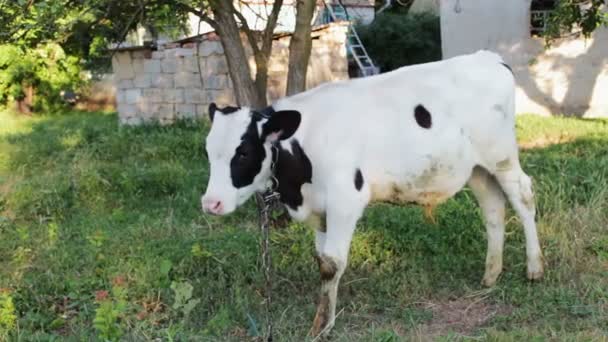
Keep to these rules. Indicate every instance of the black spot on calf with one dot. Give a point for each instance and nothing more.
(423, 117)
(292, 170)
(358, 180)
(248, 157)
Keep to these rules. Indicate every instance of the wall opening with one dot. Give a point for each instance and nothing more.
(540, 11)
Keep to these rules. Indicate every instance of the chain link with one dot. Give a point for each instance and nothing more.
(265, 202)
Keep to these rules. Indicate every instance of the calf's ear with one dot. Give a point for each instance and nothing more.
(212, 109)
(281, 125)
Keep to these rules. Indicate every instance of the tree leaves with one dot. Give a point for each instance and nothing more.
(583, 16)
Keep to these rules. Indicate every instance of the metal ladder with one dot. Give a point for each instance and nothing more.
(353, 42)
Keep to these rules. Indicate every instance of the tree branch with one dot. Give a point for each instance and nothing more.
(204, 16)
(248, 32)
(270, 26)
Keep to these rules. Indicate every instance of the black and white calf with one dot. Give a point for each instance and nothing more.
(417, 134)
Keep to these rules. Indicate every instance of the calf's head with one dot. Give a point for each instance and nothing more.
(239, 151)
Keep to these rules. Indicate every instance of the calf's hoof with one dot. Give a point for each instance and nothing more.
(535, 269)
(535, 274)
(489, 280)
(321, 330)
(493, 270)
(323, 323)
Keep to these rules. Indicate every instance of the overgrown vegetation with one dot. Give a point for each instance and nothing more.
(396, 39)
(45, 71)
(584, 16)
(101, 237)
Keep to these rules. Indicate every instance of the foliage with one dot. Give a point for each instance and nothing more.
(397, 39)
(584, 15)
(47, 69)
(83, 200)
(183, 297)
(110, 311)
(8, 317)
(84, 28)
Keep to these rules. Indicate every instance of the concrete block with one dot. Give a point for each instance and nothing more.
(178, 52)
(194, 96)
(132, 95)
(188, 64)
(223, 97)
(169, 65)
(138, 66)
(187, 80)
(173, 95)
(126, 110)
(202, 111)
(151, 65)
(121, 66)
(130, 121)
(216, 82)
(162, 80)
(121, 96)
(184, 111)
(143, 80)
(147, 109)
(166, 114)
(217, 64)
(208, 48)
(158, 54)
(125, 84)
(153, 95)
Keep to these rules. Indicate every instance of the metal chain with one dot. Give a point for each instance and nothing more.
(266, 201)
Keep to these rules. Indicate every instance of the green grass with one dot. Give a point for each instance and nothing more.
(101, 237)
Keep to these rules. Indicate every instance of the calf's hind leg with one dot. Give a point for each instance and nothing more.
(518, 188)
(492, 203)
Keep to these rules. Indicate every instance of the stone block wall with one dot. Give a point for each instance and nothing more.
(178, 81)
(166, 85)
(328, 61)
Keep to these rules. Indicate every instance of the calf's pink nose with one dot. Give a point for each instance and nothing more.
(213, 206)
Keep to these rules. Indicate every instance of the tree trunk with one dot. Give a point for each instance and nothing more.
(25, 105)
(238, 65)
(248, 92)
(261, 77)
(299, 47)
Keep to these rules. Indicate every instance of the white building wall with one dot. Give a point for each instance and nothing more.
(571, 77)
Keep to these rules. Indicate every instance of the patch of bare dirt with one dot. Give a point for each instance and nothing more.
(462, 316)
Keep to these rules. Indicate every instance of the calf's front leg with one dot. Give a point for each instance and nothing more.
(333, 256)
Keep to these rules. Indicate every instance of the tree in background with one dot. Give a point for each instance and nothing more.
(222, 15)
(576, 15)
(45, 71)
(84, 29)
(45, 45)
(397, 38)
(299, 47)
